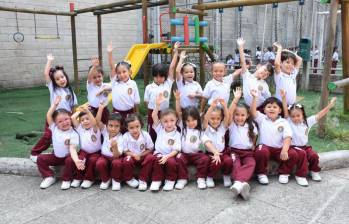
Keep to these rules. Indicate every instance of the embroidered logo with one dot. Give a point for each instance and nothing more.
(93, 138)
(142, 147)
(67, 142)
(129, 91)
(260, 88)
(193, 139)
(105, 93)
(166, 94)
(67, 97)
(170, 142)
(280, 128)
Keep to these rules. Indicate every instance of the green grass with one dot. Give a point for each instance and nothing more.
(23, 111)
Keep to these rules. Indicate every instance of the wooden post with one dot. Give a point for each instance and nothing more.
(75, 54)
(146, 71)
(328, 64)
(235, 3)
(172, 14)
(305, 75)
(345, 51)
(99, 33)
(202, 52)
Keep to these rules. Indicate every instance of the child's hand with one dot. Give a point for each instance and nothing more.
(216, 158)
(50, 58)
(333, 101)
(283, 93)
(159, 99)
(113, 143)
(183, 55)
(57, 100)
(222, 102)
(176, 46)
(163, 159)
(177, 94)
(254, 93)
(80, 164)
(136, 157)
(110, 47)
(84, 109)
(215, 102)
(241, 42)
(284, 155)
(277, 45)
(94, 61)
(102, 105)
(237, 93)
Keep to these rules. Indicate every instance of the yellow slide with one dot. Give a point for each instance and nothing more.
(137, 54)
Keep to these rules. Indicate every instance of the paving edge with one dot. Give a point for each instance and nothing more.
(25, 167)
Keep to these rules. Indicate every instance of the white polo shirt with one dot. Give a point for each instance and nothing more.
(191, 140)
(215, 89)
(66, 97)
(215, 136)
(153, 90)
(301, 131)
(287, 83)
(92, 91)
(238, 136)
(251, 82)
(89, 139)
(106, 146)
(166, 142)
(124, 94)
(272, 133)
(61, 140)
(139, 145)
(335, 56)
(186, 89)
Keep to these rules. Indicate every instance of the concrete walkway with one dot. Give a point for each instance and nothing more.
(326, 202)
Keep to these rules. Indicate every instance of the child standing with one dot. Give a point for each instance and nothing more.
(162, 84)
(287, 66)
(138, 148)
(167, 146)
(65, 142)
(58, 84)
(111, 150)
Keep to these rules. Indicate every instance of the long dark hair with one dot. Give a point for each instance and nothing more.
(55, 85)
(133, 117)
(250, 122)
(122, 63)
(191, 65)
(300, 107)
(195, 114)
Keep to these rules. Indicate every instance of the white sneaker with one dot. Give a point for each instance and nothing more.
(301, 181)
(105, 185)
(236, 188)
(155, 185)
(132, 183)
(245, 191)
(201, 183)
(75, 183)
(315, 176)
(142, 185)
(227, 181)
(46, 182)
(33, 158)
(209, 182)
(263, 179)
(181, 183)
(283, 178)
(169, 184)
(87, 184)
(115, 186)
(65, 185)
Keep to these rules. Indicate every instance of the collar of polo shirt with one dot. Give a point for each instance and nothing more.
(216, 82)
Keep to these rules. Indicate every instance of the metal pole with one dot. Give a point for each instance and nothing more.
(264, 24)
(345, 52)
(75, 54)
(99, 33)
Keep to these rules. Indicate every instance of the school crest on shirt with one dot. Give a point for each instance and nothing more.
(67, 97)
(170, 142)
(105, 93)
(280, 128)
(193, 139)
(129, 91)
(260, 88)
(166, 94)
(67, 141)
(142, 147)
(93, 138)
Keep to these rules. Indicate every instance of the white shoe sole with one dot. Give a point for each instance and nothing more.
(245, 192)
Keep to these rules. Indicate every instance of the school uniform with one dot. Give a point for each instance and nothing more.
(215, 89)
(250, 82)
(300, 143)
(106, 165)
(124, 96)
(315, 56)
(166, 143)
(61, 140)
(217, 137)
(150, 94)
(241, 151)
(287, 83)
(186, 88)
(191, 140)
(137, 146)
(94, 101)
(272, 134)
(66, 103)
(335, 59)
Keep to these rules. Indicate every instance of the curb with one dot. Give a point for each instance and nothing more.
(25, 167)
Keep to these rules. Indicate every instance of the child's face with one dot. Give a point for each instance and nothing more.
(123, 73)
(188, 73)
(296, 116)
(60, 79)
(113, 127)
(85, 121)
(97, 79)
(134, 128)
(191, 122)
(159, 79)
(63, 122)
(169, 122)
(287, 66)
(262, 72)
(240, 116)
(218, 71)
(215, 119)
(272, 110)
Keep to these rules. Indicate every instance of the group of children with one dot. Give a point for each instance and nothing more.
(222, 138)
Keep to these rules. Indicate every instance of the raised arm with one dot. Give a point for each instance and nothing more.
(159, 99)
(208, 113)
(74, 119)
(225, 112)
(50, 59)
(324, 111)
(182, 56)
(94, 64)
(91, 117)
(98, 119)
(241, 42)
(177, 95)
(52, 109)
(253, 107)
(110, 60)
(234, 102)
(277, 62)
(172, 67)
(284, 103)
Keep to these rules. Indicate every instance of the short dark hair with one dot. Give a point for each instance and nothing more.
(133, 117)
(288, 55)
(160, 70)
(116, 117)
(272, 100)
(269, 67)
(58, 112)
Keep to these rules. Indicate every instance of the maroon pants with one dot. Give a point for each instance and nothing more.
(146, 164)
(105, 113)
(44, 142)
(334, 66)
(124, 113)
(312, 158)
(166, 171)
(200, 160)
(150, 128)
(263, 153)
(104, 164)
(243, 164)
(90, 164)
(315, 65)
(225, 165)
(46, 160)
